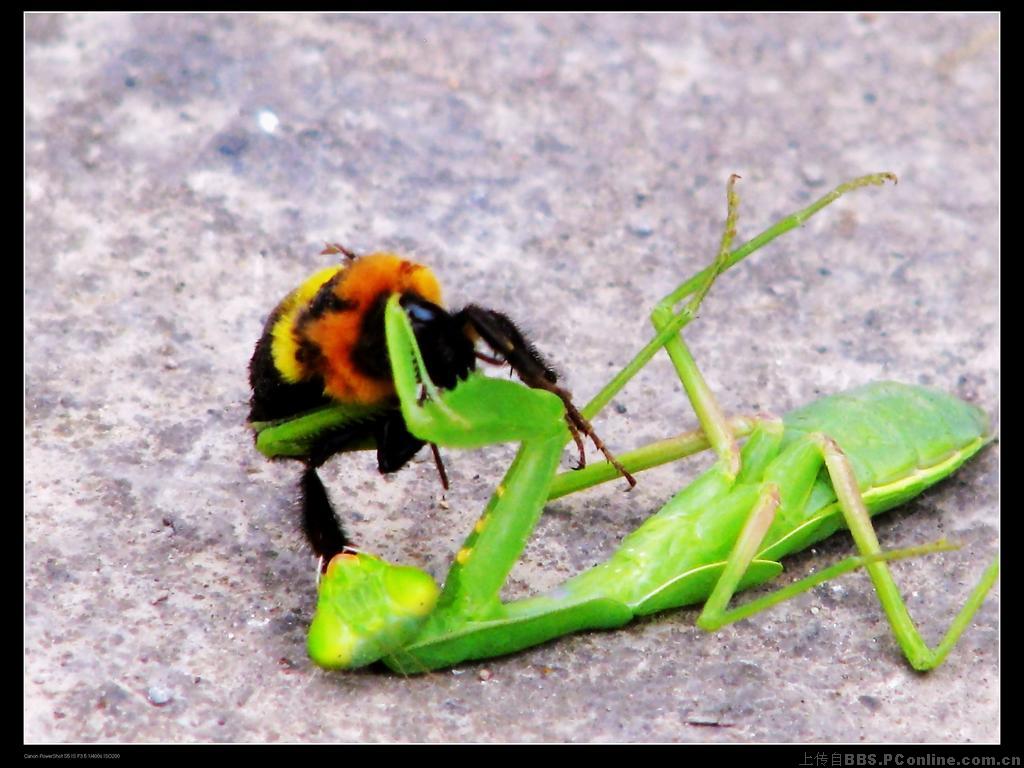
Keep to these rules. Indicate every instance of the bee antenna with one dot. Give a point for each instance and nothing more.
(334, 248)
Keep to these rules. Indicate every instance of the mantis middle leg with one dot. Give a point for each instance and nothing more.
(785, 489)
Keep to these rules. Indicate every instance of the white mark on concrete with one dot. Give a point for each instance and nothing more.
(267, 120)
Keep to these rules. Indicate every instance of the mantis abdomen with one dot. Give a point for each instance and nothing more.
(899, 439)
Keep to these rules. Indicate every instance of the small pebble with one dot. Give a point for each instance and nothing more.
(158, 695)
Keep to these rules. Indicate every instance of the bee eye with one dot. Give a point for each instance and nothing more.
(419, 312)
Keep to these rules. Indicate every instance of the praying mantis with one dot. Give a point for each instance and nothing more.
(795, 481)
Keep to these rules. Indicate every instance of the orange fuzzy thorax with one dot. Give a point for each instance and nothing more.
(334, 334)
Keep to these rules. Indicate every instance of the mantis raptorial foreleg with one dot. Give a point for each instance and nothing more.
(500, 411)
(788, 483)
(487, 556)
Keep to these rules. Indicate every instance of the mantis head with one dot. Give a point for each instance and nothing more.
(366, 609)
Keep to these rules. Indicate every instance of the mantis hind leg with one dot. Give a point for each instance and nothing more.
(920, 655)
(798, 465)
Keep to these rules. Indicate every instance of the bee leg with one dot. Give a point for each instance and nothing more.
(574, 431)
(395, 445)
(322, 528)
(504, 337)
(332, 442)
(440, 465)
(490, 359)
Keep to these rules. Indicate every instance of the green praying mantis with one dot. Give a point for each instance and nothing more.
(795, 481)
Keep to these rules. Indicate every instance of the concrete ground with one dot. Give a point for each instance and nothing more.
(183, 173)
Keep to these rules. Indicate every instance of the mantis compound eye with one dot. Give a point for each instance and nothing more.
(447, 351)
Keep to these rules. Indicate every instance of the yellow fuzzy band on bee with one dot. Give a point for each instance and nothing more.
(285, 343)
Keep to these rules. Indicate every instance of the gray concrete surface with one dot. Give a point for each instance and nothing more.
(183, 172)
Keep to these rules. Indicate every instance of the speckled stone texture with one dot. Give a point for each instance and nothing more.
(184, 171)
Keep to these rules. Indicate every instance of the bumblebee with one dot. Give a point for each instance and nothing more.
(325, 344)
